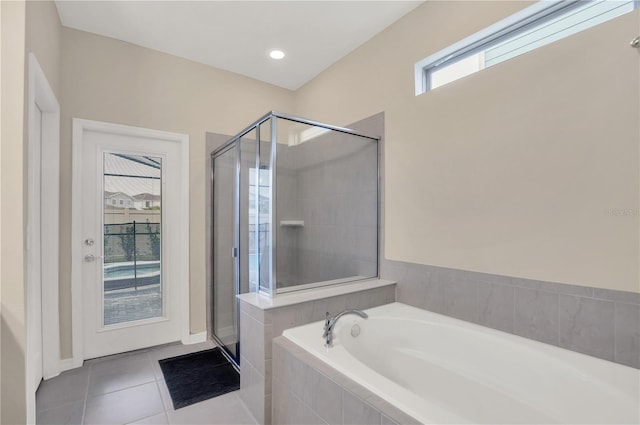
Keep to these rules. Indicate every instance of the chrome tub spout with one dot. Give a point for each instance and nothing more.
(330, 323)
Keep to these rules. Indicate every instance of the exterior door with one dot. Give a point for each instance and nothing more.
(131, 195)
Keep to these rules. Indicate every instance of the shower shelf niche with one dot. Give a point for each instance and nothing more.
(291, 223)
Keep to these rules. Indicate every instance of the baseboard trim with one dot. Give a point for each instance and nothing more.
(195, 338)
(67, 364)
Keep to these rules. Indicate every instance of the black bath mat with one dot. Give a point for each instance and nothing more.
(198, 376)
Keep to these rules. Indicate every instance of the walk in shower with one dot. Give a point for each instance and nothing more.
(295, 205)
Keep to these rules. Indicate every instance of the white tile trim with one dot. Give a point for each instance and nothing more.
(265, 302)
(67, 364)
(195, 338)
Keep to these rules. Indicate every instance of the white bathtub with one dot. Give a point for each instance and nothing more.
(442, 370)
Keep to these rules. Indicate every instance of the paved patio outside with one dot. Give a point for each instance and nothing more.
(132, 304)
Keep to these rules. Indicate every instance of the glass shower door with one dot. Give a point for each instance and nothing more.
(225, 251)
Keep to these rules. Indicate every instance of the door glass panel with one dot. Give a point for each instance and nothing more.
(263, 182)
(248, 250)
(326, 206)
(225, 315)
(132, 210)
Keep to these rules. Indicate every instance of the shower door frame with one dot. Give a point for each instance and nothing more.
(232, 144)
(270, 289)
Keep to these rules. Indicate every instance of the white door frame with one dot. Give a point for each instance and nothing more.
(79, 127)
(42, 245)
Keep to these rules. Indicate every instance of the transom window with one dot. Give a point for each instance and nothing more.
(533, 27)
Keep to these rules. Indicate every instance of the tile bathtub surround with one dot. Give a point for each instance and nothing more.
(130, 388)
(597, 322)
(259, 326)
(308, 391)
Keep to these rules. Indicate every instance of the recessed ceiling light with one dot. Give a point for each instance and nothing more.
(276, 54)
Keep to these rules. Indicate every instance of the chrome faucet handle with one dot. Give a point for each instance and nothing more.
(330, 323)
(327, 322)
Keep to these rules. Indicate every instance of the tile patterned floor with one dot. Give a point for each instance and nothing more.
(129, 388)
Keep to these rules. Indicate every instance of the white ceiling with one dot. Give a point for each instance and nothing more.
(237, 35)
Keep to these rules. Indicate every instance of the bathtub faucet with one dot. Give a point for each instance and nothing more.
(330, 322)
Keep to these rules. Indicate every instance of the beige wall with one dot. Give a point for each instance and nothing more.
(44, 39)
(26, 27)
(527, 169)
(13, 319)
(108, 80)
(0, 215)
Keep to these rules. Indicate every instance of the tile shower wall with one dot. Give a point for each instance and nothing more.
(598, 322)
(330, 183)
(288, 208)
(258, 328)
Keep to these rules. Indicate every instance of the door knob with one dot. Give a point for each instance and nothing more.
(89, 242)
(90, 257)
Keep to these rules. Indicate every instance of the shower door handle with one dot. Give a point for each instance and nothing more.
(234, 252)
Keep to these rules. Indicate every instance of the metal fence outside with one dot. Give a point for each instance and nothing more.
(132, 253)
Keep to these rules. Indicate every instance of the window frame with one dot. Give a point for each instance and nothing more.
(492, 35)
